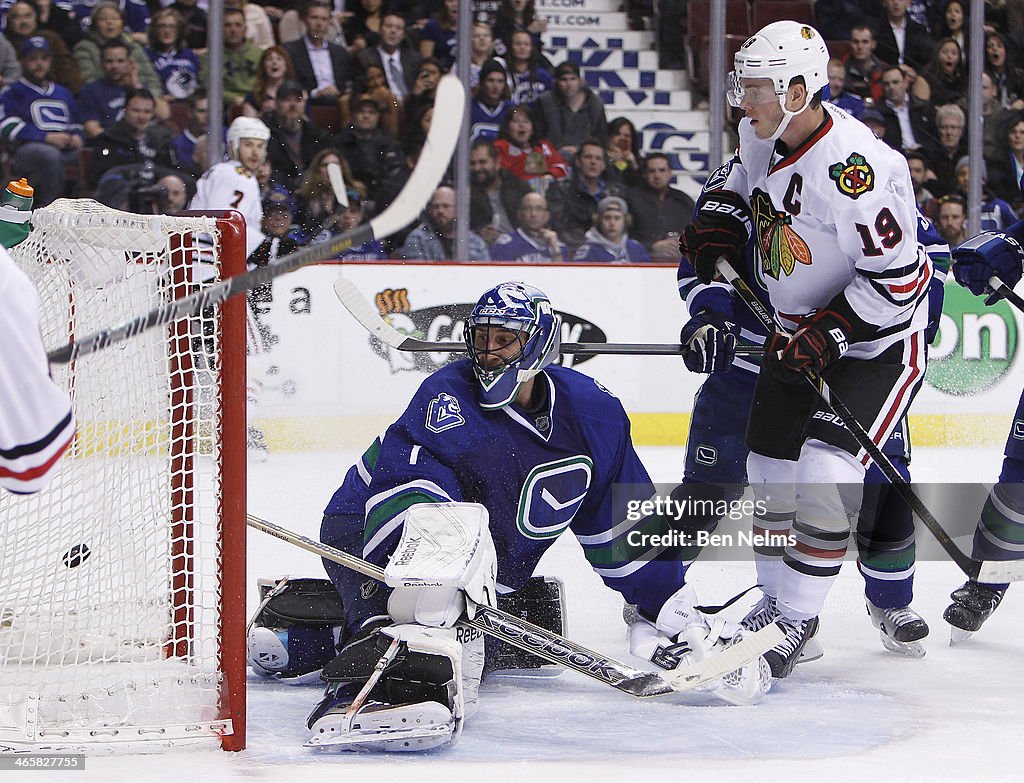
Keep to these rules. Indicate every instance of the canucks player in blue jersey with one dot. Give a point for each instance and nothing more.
(544, 449)
(717, 453)
(1000, 531)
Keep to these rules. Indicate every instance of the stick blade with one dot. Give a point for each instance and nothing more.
(361, 309)
(729, 659)
(1000, 571)
(337, 179)
(449, 106)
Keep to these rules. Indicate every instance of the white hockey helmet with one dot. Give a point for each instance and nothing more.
(781, 51)
(245, 128)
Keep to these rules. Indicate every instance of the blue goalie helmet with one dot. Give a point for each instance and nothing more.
(512, 334)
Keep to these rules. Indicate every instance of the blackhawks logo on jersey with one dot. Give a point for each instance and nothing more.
(853, 178)
(778, 245)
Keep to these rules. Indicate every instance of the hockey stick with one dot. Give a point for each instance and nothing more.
(432, 163)
(557, 649)
(337, 180)
(1011, 296)
(361, 309)
(990, 571)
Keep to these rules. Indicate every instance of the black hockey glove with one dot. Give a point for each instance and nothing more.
(816, 344)
(720, 227)
(711, 338)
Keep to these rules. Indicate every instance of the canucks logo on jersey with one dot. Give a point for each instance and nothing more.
(444, 413)
(778, 245)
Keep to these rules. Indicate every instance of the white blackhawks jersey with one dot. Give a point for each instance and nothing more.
(229, 185)
(36, 424)
(836, 214)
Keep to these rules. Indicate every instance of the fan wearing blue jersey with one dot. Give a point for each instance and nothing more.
(39, 122)
(538, 449)
(1000, 531)
(716, 452)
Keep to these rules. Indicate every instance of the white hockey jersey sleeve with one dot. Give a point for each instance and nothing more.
(878, 230)
(36, 424)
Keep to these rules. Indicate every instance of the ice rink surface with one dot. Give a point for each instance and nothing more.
(857, 714)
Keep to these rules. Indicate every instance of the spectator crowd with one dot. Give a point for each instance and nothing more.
(109, 99)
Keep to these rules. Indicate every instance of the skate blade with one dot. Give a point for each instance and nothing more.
(958, 635)
(914, 649)
(812, 651)
(428, 726)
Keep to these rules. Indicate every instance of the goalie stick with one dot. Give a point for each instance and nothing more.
(991, 571)
(361, 309)
(432, 163)
(557, 649)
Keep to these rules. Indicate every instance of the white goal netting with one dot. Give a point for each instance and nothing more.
(111, 579)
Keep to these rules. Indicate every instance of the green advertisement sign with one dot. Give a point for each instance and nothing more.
(976, 344)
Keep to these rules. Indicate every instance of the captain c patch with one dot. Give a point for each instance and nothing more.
(853, 178)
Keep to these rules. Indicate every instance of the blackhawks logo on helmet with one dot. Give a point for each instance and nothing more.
(807, 33)
(778, 245)
(853, 178)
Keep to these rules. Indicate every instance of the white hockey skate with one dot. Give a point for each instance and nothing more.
(901, 629)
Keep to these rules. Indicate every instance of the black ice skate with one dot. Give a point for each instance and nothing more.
(971, 607)
(766, 611)
(784, 656)
(901, 629)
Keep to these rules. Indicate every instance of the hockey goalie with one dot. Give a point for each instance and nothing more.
(496, 455)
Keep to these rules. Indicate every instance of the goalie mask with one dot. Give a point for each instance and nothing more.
(512, 334)
(780, 51)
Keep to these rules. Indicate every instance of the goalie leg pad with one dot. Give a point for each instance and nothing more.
(540, 601)
(418, 695)
(296, 630)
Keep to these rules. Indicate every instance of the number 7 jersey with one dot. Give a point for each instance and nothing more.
(835, 214)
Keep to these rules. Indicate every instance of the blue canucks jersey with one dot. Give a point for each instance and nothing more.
(516, 246)
(485, 121)
(29, 111)
(570, 466)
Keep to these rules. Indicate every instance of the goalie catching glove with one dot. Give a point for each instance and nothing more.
(720, 228)
(683, 635)
(989, 254)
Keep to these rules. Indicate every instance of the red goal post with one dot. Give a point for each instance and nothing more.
(122, 585)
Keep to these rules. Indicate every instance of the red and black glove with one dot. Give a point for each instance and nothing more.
(720, 227)
(817, 343)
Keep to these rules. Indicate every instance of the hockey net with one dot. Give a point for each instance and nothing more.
(121, 583)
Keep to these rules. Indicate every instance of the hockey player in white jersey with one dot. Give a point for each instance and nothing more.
(831, 209)
(36, 423)
(232, 184)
